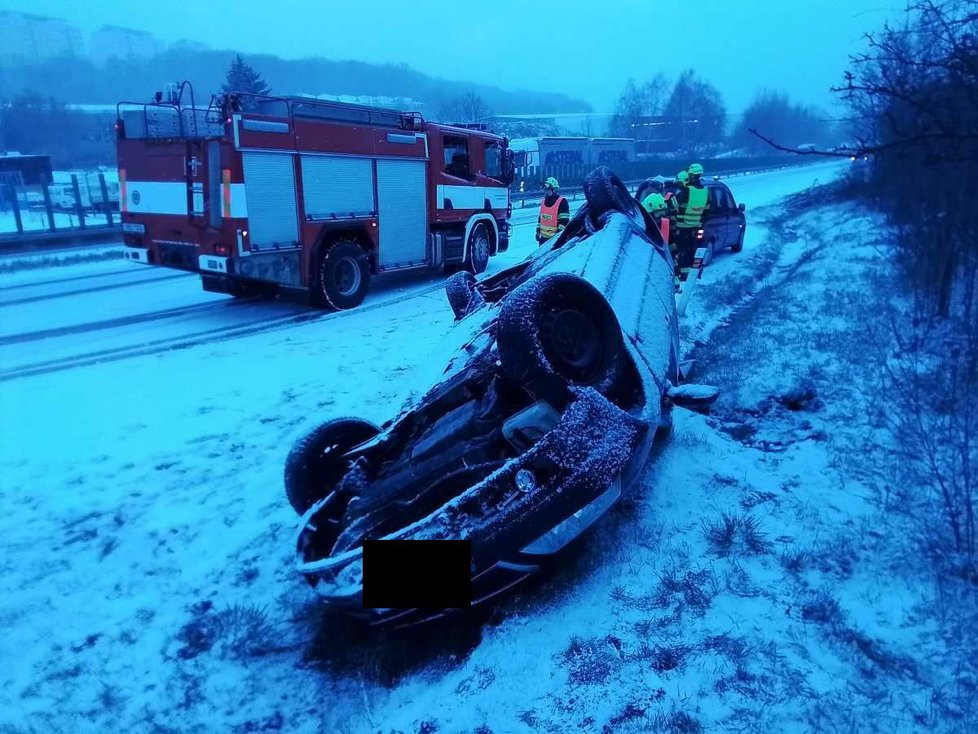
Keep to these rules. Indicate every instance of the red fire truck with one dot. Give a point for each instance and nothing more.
(303, 196)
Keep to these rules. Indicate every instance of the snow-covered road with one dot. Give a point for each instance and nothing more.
(61, 318)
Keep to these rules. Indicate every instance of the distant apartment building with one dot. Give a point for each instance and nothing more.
(30, 39)
(113, 41)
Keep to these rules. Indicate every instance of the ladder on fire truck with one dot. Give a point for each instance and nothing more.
(167, 117)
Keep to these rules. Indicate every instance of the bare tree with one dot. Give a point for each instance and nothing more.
(636, 105)
(779, 117)
(697, 114)
(914, 96)
(465, 108)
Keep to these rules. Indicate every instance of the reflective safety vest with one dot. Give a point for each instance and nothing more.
(672, 201)
(692, 216)
(548, 217)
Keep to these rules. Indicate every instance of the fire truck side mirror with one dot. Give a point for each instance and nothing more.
(509, 167)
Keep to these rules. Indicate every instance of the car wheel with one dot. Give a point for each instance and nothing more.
(559, 325)
(460, 289)
(739, 244)
(477, 259)
(343, 277)
(315, 464)
(605, 192)
(644, 189)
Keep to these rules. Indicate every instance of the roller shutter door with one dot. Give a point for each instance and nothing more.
(403, 213)
(270, 194)
(336, 186)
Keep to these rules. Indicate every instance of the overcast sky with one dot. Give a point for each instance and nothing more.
(583, 48)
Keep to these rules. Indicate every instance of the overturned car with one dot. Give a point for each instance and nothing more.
(563, 369)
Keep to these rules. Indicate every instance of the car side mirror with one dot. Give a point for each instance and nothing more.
(741, 207)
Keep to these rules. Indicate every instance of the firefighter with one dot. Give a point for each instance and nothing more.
(694, 199)
(672, 199)
(655, 204)
(554, 212)
(692, 202)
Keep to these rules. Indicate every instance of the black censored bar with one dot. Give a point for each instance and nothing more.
(417, 574)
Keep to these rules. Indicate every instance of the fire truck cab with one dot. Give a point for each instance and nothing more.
(304, 196)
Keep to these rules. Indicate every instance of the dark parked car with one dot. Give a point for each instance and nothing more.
(560, 371)
(724, 222)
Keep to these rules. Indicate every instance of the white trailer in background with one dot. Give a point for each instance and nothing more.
(536, 155)
(89, 190)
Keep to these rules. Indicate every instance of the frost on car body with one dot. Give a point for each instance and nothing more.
(550, 388)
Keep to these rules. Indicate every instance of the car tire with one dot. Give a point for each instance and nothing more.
(479, 249)
(605, 192)
(460, 289)
(343, 275)
(559, 325)
(739, 244)
(315, 463)
(644, 189)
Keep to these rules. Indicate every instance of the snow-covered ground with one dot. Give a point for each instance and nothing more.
(146, 579)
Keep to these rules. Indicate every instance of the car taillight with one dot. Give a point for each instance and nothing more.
(699, 234)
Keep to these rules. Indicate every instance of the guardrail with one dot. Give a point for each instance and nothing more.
(38, 228)
(57, 212)
(520, 199)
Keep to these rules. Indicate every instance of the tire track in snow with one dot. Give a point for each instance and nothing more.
(111, 274)
(32, 336)
(199, 338)
(95, 289)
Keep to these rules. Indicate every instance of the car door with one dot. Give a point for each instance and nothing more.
(735, 219)
(716, 219)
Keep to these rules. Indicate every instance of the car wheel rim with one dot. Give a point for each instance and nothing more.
(574, 342)
(347, 276)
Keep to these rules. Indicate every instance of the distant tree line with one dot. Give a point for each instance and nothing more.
(34, 123)
(690, 117)
(79, 80)
(31, 123)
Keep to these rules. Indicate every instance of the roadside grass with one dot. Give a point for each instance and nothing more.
(237, 632)
(17, 264)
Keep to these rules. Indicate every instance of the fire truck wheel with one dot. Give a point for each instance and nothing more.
(315, 464)
(478, 258)
(344, 275)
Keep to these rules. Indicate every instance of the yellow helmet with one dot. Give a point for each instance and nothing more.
(655, 204)
(696, 169)
(551, 183)
(682, 177)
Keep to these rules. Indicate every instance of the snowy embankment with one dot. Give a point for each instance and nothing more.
(752, 583)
